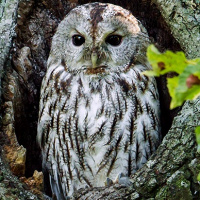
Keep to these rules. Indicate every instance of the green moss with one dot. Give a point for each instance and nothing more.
(177, 188)
(1, 178)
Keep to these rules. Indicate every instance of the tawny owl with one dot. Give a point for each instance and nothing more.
(99, 115)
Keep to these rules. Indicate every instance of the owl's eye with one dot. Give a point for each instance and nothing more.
(114, 40)
(78, 40)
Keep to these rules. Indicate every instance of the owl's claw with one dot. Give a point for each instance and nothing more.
(108, 182)
(55, 198)
(122, 179)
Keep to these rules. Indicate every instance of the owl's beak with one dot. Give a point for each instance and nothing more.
(95, 68)
(94, 58)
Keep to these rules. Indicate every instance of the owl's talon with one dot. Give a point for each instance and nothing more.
(122, 179)
(86, 187)
(108, 182)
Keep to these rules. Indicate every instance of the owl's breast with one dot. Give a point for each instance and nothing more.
(101, 127)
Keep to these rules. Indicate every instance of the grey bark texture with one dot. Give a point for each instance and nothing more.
(183, 19)
(8, 19)
(10, 186)
(172, 170)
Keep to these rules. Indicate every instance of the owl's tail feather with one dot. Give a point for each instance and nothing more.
(56, 188)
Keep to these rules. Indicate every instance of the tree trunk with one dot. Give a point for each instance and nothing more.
(26, 29)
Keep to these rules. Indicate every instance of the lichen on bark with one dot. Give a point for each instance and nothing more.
(10, 186)
(8, 12)
(183, 19)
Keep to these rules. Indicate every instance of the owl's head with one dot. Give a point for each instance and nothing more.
(99, 38)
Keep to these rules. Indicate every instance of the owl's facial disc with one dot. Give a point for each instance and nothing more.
(113, 40)
(94, 56)
(99, 38)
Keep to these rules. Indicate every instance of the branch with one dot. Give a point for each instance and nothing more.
(183, 19)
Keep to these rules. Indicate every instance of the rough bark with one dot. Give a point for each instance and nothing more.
(10, 186)
(183, 19)
(169, 174)
(12, 155)
(8, 12)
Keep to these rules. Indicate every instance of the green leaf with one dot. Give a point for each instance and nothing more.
(198, 177)
(197, 132)
(151, 73)
(185, 87)
(193, 61)
(172, 84)
(163, 63)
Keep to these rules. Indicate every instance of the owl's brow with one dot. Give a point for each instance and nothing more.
(78, 32)
(115, 30)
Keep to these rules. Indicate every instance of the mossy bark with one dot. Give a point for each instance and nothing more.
(10, 186)
(26, 29)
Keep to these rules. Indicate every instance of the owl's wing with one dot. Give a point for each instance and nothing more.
(56, 187)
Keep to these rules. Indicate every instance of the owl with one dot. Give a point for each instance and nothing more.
(98, 115)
